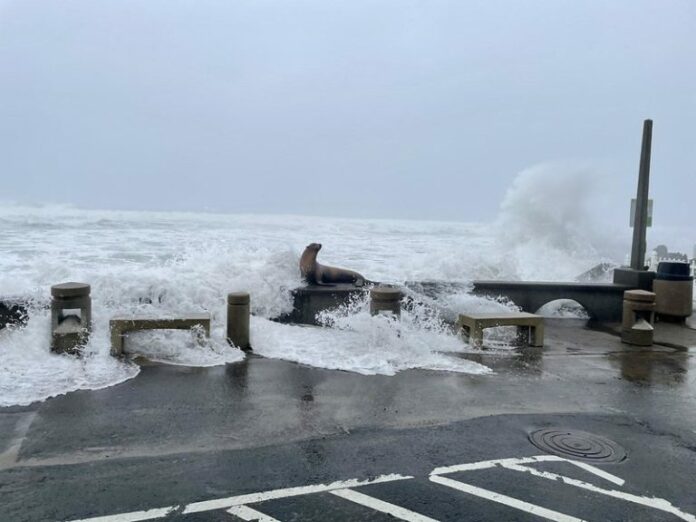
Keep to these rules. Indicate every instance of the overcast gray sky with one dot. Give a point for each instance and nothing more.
(391, 108)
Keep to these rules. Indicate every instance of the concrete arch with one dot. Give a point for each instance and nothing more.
(573, 308)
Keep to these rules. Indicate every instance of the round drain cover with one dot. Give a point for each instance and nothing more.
(577, 445)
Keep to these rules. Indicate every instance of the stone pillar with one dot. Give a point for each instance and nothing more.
(238, 311)
(69, 331)
(638, 317)
(641, 222)
(385, 299)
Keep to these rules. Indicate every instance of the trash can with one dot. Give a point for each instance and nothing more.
(674, 290)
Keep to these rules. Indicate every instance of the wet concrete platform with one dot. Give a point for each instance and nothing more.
(181, 443)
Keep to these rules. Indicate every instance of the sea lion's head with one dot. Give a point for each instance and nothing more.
(308, 262)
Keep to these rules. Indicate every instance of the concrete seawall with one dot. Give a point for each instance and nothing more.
(603, 301)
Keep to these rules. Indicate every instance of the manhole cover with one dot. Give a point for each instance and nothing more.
(577, 445)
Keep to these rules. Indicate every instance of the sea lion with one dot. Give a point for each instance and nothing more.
(317, 274)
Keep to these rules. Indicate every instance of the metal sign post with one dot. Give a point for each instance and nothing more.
(633, 213)
(641, 221)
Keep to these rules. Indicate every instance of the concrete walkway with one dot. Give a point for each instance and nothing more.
(267, 438)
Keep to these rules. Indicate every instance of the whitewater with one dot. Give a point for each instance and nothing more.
(167, 263)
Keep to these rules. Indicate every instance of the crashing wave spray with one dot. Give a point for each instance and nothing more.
(548, 223)
(170, 263)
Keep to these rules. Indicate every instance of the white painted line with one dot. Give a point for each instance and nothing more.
(381, 505)
(504, 499)
(485, 464)
(651, 502)
(599, 472)
(253, 498)
(342, 489)
(9, 457)
(246, 513)
(133, 516)
(222, 503)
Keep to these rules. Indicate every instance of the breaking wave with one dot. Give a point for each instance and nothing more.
(172, 263)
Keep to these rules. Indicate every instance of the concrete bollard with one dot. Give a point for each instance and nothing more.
(238, 311)
(71, 316)
(638, 317)
(385, 299)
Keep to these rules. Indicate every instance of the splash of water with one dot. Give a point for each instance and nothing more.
(548, 222)
(173, 263)
(357, 341)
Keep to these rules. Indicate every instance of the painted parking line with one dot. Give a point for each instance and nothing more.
(240, 500)
(380, 505)
(133, 516)
(239, 505)
(523, 465)
(505, 500)
(651, 502)
(275, 494)
(249, 514)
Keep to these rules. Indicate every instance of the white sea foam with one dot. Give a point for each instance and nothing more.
(548, 223)
(171, 263)
(30, 372)
(352, 339)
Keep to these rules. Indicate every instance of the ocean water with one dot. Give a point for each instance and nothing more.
(169, 263)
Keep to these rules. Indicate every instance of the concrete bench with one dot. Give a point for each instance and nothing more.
(119, 326)
(473, 324)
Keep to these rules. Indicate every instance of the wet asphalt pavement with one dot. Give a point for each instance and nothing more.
(180, 443)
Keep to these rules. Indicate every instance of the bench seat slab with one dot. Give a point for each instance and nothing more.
(120, 325)
(474, 324)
